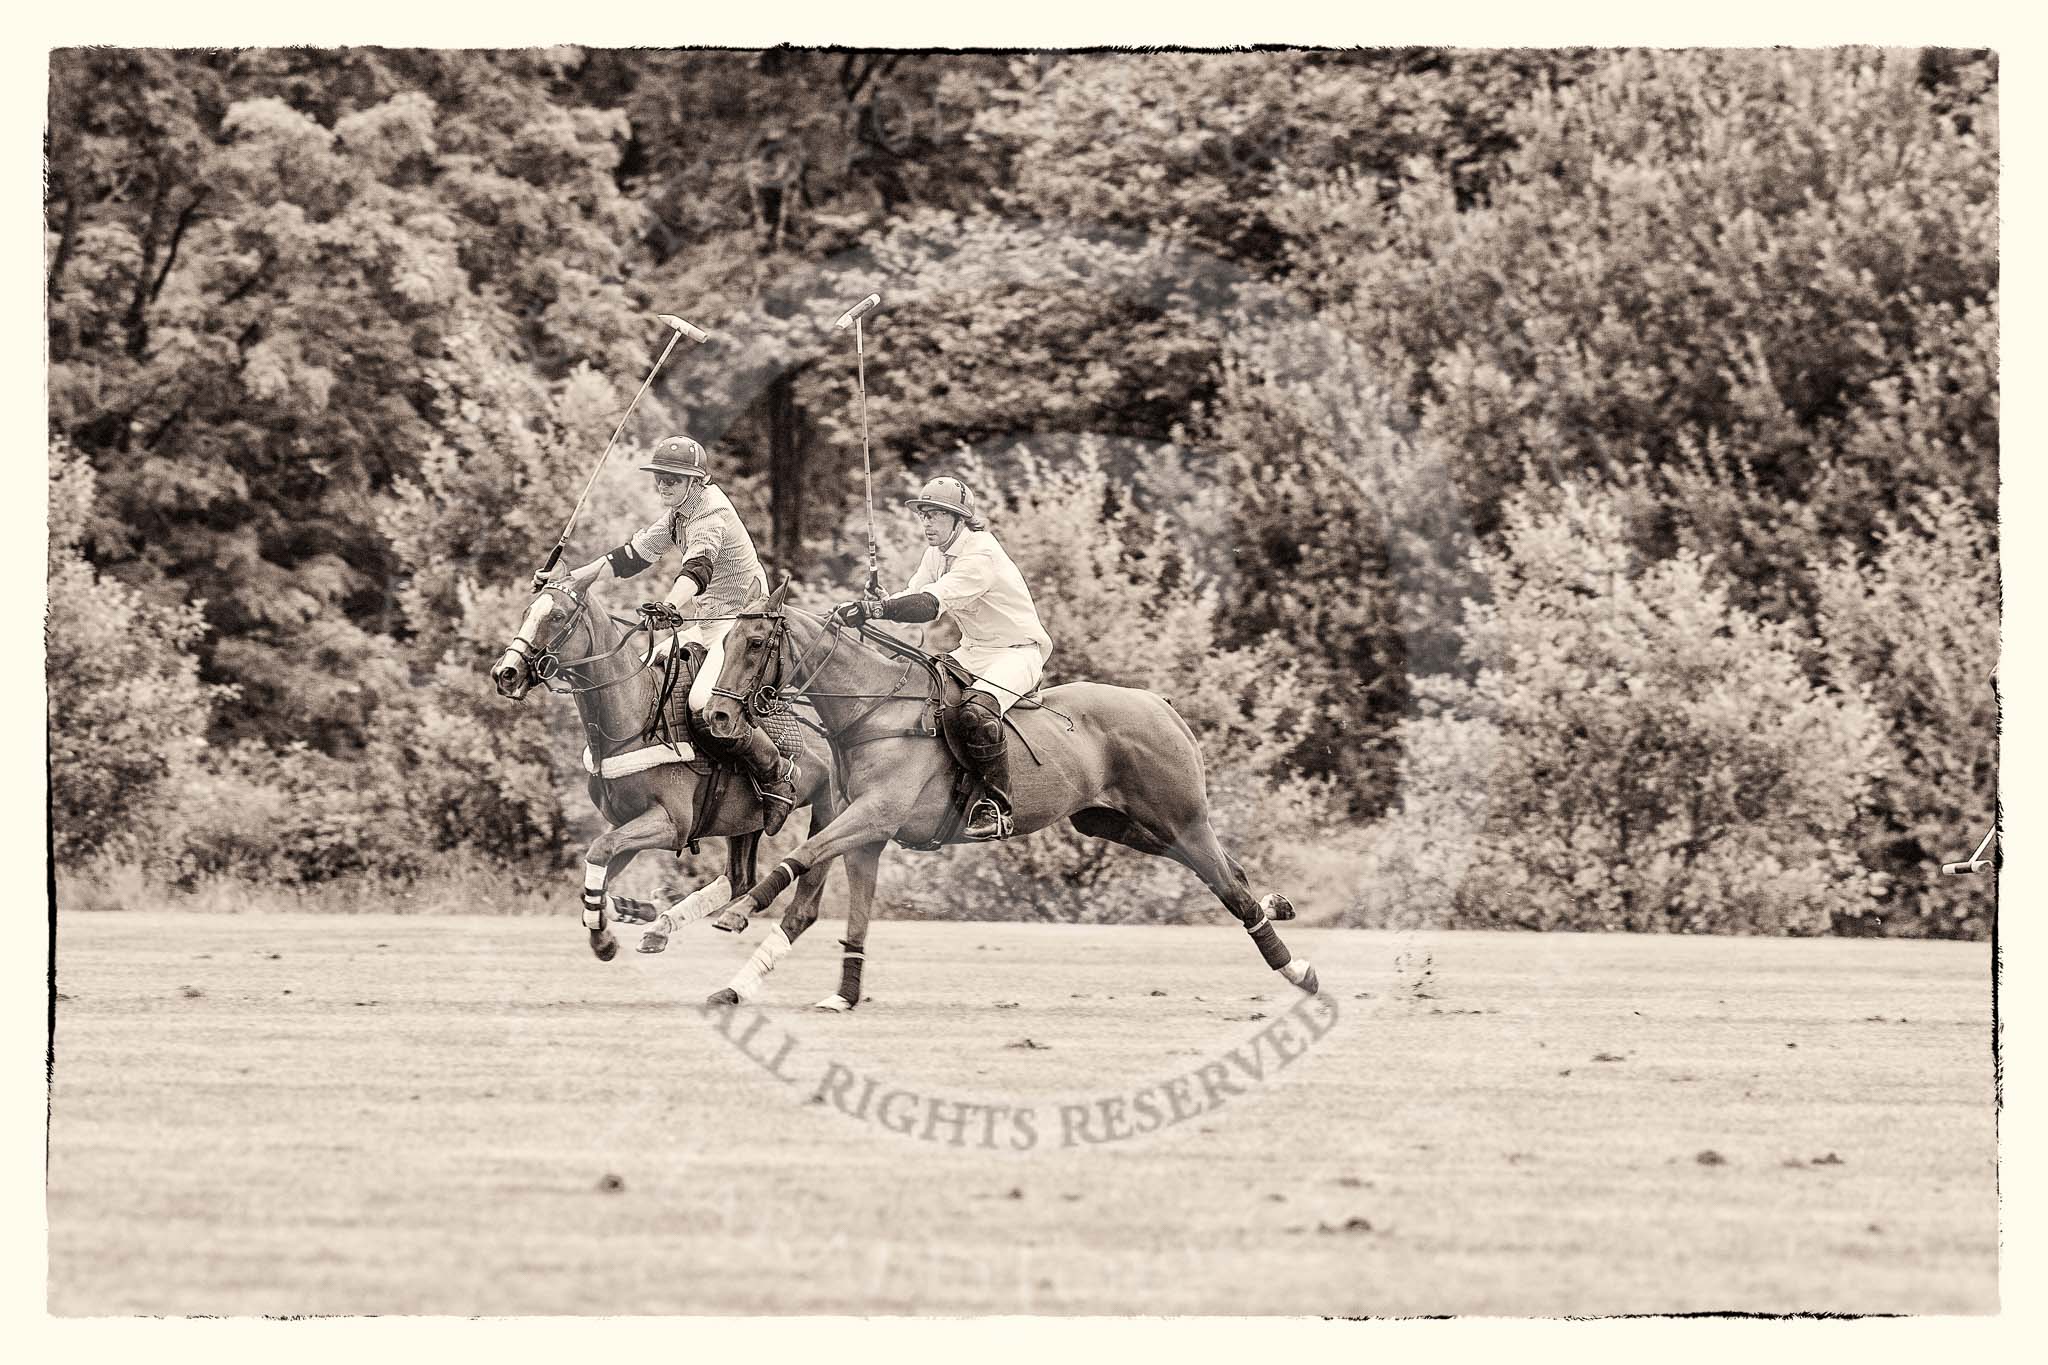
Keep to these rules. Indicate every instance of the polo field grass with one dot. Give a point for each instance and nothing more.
(287, 1113)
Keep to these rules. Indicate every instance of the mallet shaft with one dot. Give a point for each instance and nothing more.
(867, 463)
(680, 330)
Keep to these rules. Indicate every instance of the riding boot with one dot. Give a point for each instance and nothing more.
(982, 740)
(774, 777)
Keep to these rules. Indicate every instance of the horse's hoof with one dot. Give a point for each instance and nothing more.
(604, 945)
(728, 996)
(1277, 906)
(653, 941)
(1307, 981)
(731, 920)
(836, 1004)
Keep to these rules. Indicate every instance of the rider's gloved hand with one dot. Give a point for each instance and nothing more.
(662, 614)
(852, 613)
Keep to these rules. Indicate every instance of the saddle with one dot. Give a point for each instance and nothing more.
(669, 722)
(951, 682)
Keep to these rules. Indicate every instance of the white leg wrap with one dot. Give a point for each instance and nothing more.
(593, 876)
(1296, 971)
(747, 984)
(702, 901)
(593, 917)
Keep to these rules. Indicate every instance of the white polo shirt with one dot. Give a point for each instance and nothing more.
(979, 587)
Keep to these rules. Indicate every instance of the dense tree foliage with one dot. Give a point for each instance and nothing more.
(1539, 446)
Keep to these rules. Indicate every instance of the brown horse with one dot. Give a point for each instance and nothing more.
(1119, 763)
(568, 644)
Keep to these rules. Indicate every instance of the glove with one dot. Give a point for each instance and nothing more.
(662, 615)
(851, 614)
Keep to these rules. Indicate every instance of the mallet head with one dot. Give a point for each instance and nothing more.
(857, 312)
(696, 334)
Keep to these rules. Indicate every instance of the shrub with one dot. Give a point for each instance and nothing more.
(1920, 621)
(127, 711)
(1632, 752)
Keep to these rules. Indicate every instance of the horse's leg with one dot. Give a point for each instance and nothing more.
(862, 867)
(1198, 850)
(869, 820)
(802, 914)
(743, 852)
(743, 857)
(652, 828)
(739, 855)
(1273, 903)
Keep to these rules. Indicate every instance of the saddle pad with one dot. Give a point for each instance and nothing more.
(638, 760)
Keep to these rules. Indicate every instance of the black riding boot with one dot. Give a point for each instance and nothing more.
(774, 781)
(774, 776)
(981, 737)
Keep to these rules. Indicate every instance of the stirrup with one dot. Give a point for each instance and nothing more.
(987, 820)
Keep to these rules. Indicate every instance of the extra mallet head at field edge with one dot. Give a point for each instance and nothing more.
(1976, 862)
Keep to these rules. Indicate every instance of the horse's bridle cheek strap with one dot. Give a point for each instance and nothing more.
(758, 694)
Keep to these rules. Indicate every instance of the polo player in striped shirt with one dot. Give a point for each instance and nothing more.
(720, 572)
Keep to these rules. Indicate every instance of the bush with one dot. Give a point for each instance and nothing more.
(1920, 620)
(1632, 752)
(127, 712)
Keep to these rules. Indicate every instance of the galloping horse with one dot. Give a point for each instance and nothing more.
(1119, 763)
(616, 689)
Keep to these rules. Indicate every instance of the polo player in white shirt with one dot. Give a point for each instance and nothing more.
(966, 575)
(720, 573)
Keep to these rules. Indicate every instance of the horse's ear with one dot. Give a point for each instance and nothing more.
(775, 598)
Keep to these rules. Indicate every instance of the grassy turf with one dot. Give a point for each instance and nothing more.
(318, 1114)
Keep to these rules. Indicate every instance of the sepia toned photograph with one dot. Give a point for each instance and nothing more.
(1320, 682)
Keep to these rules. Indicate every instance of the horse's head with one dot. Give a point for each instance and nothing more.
(535, 652)
(738, 667)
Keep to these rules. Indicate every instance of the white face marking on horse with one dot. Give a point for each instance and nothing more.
(536, 617)
(513, 661)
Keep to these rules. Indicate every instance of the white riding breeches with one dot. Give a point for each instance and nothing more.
(710, 634)
(706, 633)
(1006, 672)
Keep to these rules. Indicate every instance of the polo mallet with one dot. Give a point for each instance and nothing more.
(681, 329)
(1977, 863)
(853, 315)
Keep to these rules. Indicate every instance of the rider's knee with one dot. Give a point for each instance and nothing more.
(980, 711)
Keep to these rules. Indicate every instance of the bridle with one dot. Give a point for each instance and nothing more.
(758, 694)
(564, 677)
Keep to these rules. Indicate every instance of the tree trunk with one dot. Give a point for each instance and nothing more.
(785, 474)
